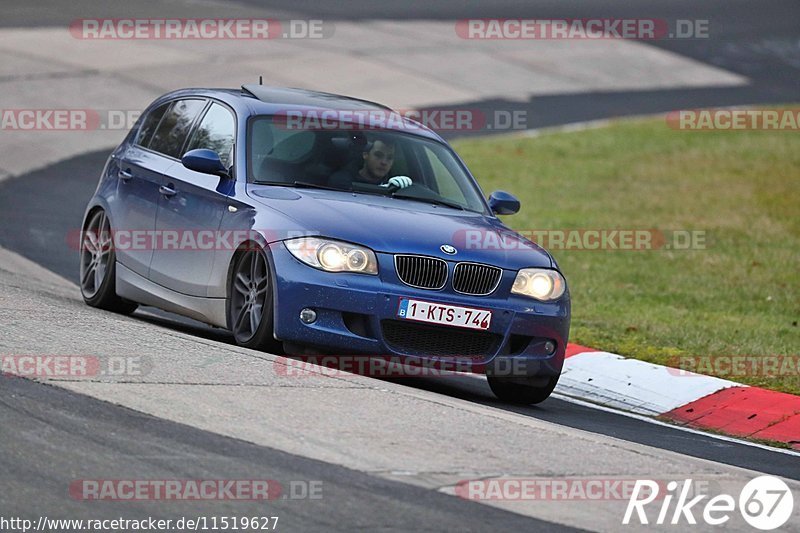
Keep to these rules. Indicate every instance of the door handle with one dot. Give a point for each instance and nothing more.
(167, 190)
(125, 175)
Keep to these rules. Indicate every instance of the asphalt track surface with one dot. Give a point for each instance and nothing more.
(72, 430)
(759, 40)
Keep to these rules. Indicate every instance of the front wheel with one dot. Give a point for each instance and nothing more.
(250, 311)
(524, 391)
(99, 267)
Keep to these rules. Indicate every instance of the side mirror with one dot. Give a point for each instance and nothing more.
(205, 161)
(503, 203)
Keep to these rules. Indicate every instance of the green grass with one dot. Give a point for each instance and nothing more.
(738, 296)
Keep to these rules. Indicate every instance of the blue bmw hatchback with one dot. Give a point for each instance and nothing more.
(302, 220)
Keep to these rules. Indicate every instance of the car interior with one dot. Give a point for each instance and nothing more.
(310, 156)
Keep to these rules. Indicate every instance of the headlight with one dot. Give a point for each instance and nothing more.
(333, 256)
(539, 283)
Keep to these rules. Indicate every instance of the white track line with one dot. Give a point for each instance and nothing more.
(650, 420)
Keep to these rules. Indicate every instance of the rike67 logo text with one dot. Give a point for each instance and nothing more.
(765, 503)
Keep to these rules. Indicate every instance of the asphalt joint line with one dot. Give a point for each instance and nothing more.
(50, 76)
(192, 384)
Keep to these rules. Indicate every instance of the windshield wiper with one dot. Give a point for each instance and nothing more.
(431, 201)
(308, 185)
(297, 184)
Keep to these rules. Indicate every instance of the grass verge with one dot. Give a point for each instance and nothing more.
(738, 295)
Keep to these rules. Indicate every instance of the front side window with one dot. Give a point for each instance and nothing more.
(445, 171)
(171, 134)
(217, 132)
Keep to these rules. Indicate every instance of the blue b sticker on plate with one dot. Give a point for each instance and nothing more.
(403, 308)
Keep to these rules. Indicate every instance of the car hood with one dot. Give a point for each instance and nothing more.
(394, 225)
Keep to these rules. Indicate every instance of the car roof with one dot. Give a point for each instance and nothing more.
(255, 99)
(308, 98)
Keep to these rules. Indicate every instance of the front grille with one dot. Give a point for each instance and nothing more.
(477, 279)
(420, 271)
(423, 339)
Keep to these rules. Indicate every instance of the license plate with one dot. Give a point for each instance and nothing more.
(449, 315)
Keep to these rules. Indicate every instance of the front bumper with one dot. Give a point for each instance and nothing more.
(357, 314)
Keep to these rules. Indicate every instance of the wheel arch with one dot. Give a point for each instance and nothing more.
(93, 207)
(243, 248)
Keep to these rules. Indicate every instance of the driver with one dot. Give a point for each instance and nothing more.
(378, 158)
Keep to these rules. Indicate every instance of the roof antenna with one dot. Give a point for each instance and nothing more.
(261, 80)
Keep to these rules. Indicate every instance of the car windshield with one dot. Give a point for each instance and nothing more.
(361, 160)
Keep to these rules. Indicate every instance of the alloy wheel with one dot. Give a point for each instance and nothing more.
(249, 295)
(95, 254)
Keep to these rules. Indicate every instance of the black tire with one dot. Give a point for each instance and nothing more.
(524, 391)
(255, 292)
(100, 264)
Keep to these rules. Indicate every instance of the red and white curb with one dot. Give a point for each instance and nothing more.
(686, 398)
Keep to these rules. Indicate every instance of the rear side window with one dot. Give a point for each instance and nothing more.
(216, 132)
(149, 125)
(170, 136)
